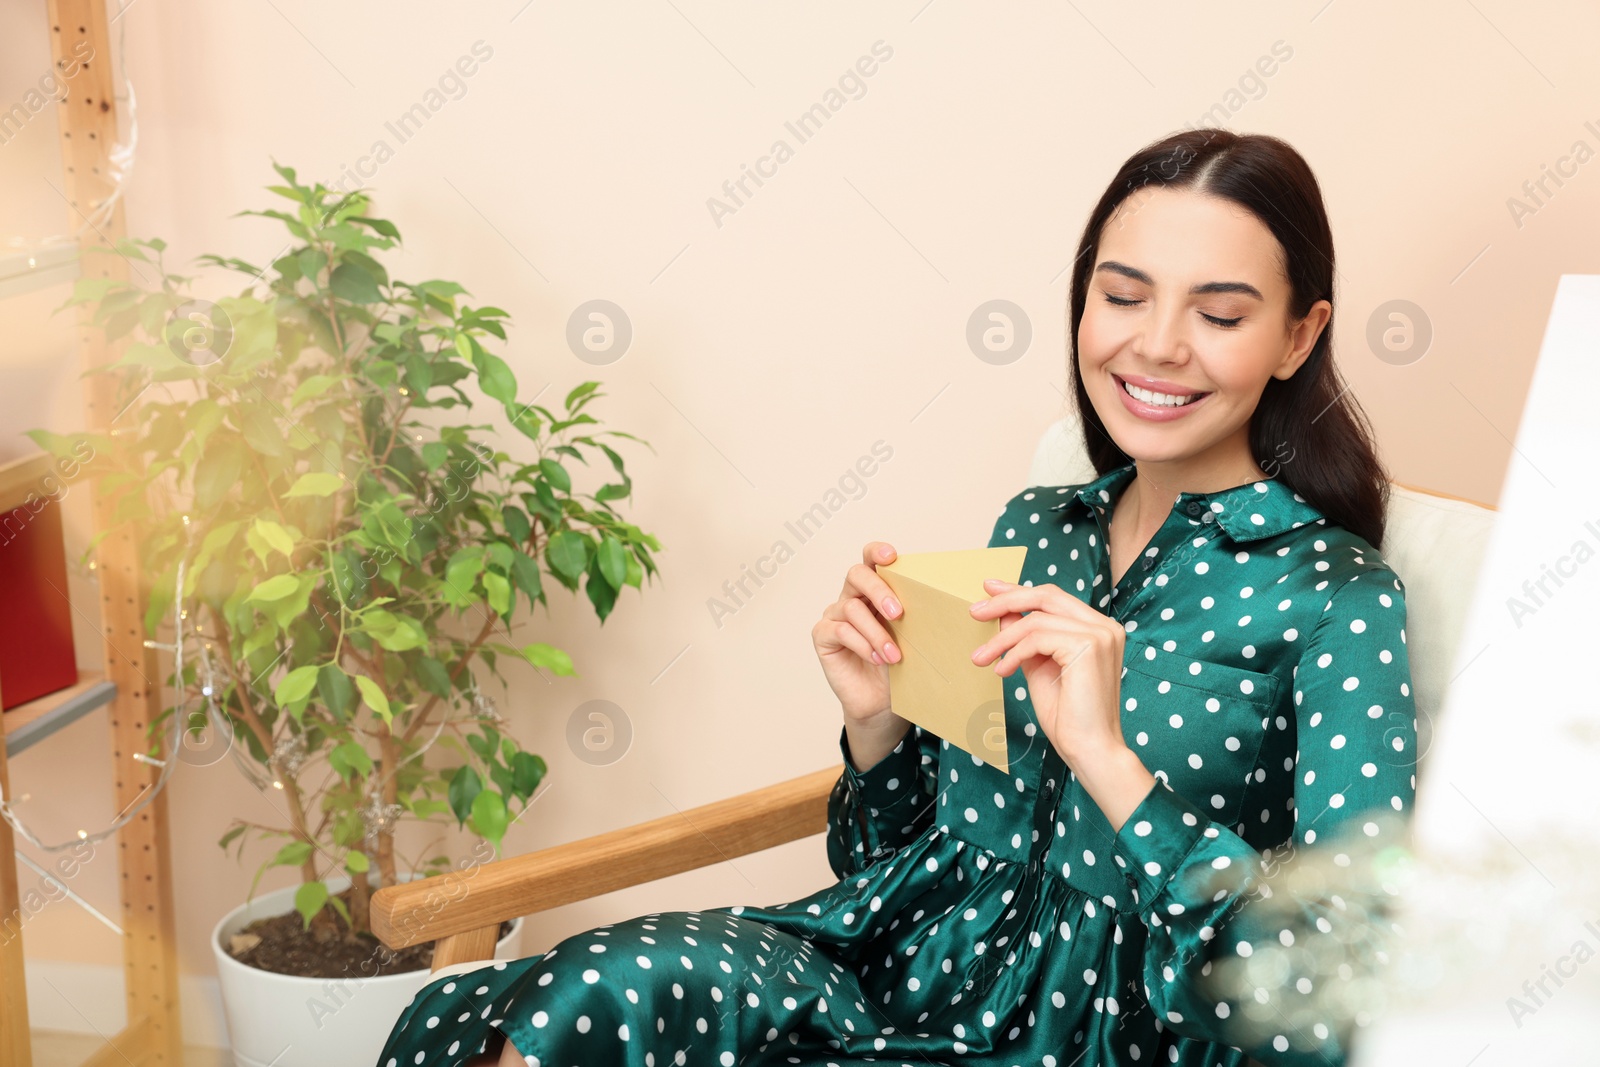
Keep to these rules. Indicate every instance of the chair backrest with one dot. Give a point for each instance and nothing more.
(1435, 543)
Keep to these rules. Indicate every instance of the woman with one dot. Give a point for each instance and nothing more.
(1205, 663)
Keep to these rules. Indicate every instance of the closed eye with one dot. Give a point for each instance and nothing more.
(1226, 324)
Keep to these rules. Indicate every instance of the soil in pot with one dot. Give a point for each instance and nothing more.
(282, 944)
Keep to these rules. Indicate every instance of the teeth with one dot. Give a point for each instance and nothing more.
(1160, 400)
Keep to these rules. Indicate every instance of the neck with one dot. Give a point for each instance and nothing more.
(1157, 483)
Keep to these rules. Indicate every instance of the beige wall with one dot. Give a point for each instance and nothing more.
(826, 313)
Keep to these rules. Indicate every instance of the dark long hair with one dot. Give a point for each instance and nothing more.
(1308, 426)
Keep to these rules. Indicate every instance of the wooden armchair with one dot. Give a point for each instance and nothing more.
(1434, 541)
(463, 910)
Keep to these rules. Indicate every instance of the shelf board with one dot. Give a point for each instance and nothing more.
(28, 724)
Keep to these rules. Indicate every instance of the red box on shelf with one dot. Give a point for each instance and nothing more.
(36, 651)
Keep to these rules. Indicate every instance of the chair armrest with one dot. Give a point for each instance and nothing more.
(463, 909)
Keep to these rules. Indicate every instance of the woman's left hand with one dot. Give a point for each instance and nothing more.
(1071, 655)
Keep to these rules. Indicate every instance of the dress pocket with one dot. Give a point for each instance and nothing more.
(1221, 680)
(1196, 723)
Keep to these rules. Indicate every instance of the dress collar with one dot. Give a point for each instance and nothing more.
(1245, 512)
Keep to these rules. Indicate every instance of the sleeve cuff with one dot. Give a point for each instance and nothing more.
(891, 782)
(1157, 839)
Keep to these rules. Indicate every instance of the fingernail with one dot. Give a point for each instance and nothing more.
(993, 581)
(979, 604)
(876, 660)
(891, 653)
(891, 606)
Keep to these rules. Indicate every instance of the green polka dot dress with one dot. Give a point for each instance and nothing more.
(994, 918)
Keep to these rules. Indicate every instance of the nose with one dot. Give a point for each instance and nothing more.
(1162, 338)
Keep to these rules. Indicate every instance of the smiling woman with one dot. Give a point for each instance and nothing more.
(1204, 667)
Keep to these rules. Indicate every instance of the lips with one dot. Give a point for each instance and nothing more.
(1157, 408)
(1155, 386)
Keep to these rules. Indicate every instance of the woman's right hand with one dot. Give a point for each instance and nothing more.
(854, 645)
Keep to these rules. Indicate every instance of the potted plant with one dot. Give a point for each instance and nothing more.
(334, 559)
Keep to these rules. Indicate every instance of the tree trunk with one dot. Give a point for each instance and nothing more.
(389, 755)
(360, 903)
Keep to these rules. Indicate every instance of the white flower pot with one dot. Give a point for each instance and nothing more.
(281, 1020)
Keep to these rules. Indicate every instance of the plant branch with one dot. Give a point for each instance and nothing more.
(461, 663)
(291, 788)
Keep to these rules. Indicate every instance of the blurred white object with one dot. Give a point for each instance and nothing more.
(1503, 922)
(27, 267)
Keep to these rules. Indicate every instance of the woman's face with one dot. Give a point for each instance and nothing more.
(1187, 298)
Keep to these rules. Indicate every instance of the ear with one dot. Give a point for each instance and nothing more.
(1303, 339)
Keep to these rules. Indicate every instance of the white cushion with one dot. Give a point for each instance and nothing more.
(1434, 543)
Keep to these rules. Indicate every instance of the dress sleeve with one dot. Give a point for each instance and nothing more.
(1207, 896)
(872, 813)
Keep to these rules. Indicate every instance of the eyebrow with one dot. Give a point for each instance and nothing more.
(1205, 289)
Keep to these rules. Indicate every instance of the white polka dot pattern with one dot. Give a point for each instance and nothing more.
(995, 916)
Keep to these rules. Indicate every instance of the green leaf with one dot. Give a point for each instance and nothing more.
(548, 657)
(580, 393)
(383, 226)
(292, 855)
(525, 571)
(309, 899)
(333, 686)
(484, 745)
(461, 576)
(310, 262)
(498, 589)
(568, 552)
(276, 536)
(397, 633)
(613, 561)
(434, 454)
(216, 473)
(556, 474)
(352, 282)
(517, 525)
(525, 420)
(350, 760)
(494, 377)
(296, 685)
(357, 862)
(601, 594)
(489, 816)
(435, 679)
(313, 387)
(316, 483)
(217, 539)
(464, 788)
(527, 772)
(285, 611)
(373, 695)
(260, 431)
(500, 555)
(366, 262)
(275, 588)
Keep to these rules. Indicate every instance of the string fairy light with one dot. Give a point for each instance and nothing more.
(152, 790)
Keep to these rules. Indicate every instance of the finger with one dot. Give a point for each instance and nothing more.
(1006, 596)
(872, 629)
(847, 636)
(1043, 642)
(864, 581)
(1013, 628)
(877, 552)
